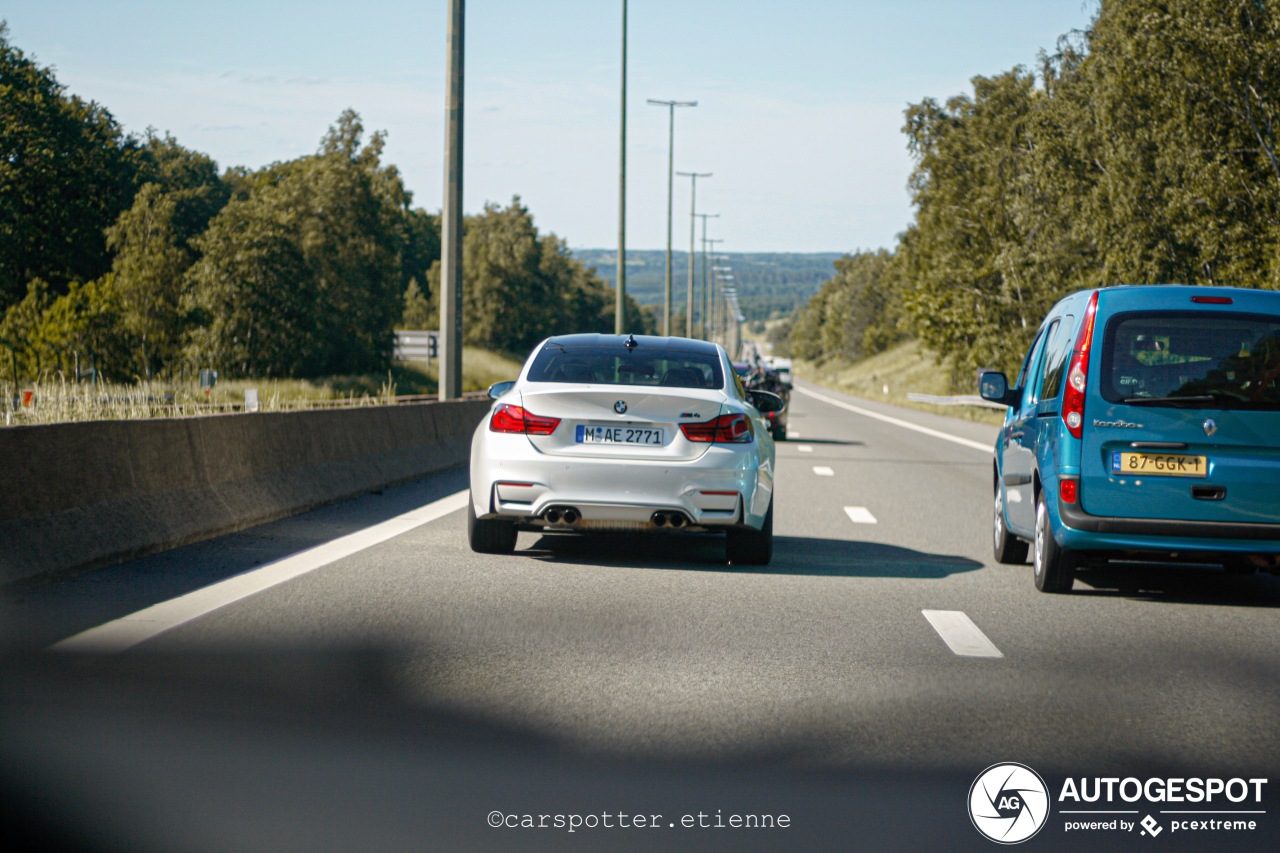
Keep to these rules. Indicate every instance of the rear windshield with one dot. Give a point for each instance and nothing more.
(618, 366)
(1192, 359)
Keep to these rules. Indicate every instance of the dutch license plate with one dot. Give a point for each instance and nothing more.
(589, 434)
(1159, 464)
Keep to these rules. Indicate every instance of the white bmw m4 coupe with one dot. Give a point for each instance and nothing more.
(625, 433)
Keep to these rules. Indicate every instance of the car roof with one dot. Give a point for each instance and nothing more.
(642, 342)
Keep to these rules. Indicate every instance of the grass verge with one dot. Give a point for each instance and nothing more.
(893, 374)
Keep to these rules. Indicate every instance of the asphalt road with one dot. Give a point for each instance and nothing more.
(882, 647)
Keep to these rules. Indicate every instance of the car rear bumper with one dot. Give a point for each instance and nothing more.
(1085, 530)
(716, 491)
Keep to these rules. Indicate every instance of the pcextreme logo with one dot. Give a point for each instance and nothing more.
(1008, 803)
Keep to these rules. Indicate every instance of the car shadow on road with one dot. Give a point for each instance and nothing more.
(1179, 584)
(792, 555)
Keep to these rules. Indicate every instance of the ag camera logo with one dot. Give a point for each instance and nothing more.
(1008, 803)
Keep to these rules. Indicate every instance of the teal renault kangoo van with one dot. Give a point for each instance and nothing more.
(1144, 425)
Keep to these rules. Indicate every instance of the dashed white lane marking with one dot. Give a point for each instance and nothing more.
(128, 631)
(961, 635)
(823, 471)
(858, 410)
(805, 448)
(859, 515)
(792, 433)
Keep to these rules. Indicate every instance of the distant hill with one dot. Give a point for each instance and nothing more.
(769, 284)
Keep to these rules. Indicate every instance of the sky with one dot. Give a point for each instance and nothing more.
(799, 102)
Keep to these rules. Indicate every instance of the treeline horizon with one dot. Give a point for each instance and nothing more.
(1142, 150)
(128, 256)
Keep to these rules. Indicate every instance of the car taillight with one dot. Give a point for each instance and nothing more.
(509, 418)
(1078, 372)
(1213, 300)
(726, 428)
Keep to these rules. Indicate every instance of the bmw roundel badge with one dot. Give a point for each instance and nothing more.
(620, 407)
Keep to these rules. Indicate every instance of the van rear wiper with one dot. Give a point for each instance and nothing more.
(1176, 401)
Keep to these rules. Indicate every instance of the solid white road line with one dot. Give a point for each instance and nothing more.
(859, 515)
(858, 410)
(128, 631)
(961, 635)
(823, 471)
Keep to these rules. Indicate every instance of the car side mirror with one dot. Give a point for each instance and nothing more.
(994, 386)
(766, 401)
(497, 389)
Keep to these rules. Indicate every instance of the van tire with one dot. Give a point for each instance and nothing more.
(1009, 549)
(490, 535)
(1055, 567)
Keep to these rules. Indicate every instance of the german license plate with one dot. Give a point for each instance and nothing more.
(589, 434)
(1159, 464)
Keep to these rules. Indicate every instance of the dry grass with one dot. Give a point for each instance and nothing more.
(57, 400)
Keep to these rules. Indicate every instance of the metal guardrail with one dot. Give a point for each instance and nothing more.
(956, 400)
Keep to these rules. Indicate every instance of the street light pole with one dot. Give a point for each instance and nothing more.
(450, 374)
(620, 305)
(671, 165)
(702, 306)
(709, 246)
(693, 224)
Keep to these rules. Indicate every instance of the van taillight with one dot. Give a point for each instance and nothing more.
(1078, 372)
(1069, 490)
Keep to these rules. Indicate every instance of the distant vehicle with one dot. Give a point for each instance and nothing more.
(783, 366)
(1144, 424)
(625, 433)
(758, 377)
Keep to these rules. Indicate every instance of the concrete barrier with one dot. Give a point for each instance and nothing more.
(80, 495)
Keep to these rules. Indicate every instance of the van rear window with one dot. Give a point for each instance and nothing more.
(1193, 359)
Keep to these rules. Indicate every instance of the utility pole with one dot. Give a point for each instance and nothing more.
(620, 307)
(693, 224)
(711, 287)
(702, 306)
(450, 374)
(671, 165)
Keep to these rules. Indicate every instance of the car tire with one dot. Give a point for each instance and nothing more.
(747, 547)
(1055, 567)
(779, 433)
(490, 535)
(1009, 549)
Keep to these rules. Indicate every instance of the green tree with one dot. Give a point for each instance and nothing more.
(66, 172)
(81, 331)
(520, 287)
(29, 355)
(417, 312)
(300, 273)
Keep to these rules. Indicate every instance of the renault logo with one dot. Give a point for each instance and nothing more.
(1210, 427)
(620, 407)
